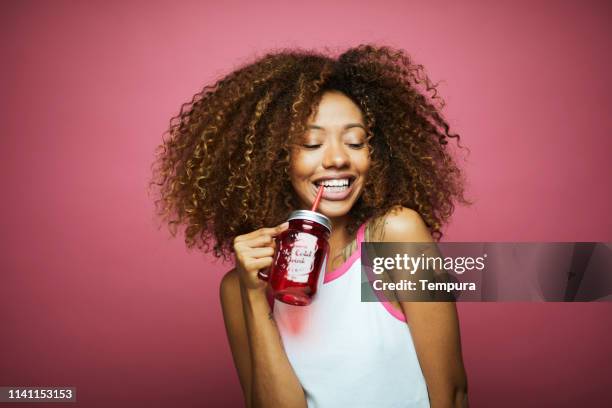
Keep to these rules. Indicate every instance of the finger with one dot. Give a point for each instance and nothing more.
(260, 263)
(261, 241)
(263, 231)
(260, 252)
(274, 230)
(281, 228)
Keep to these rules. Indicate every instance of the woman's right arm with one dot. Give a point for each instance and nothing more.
(265, 374)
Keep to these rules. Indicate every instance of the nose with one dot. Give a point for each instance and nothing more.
(335, 155)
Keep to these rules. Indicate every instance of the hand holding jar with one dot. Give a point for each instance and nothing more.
(254, 252)
(301, 251)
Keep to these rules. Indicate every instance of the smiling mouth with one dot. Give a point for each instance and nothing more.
(334, 185)
(335, 190)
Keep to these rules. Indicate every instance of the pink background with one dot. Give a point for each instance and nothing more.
(93, 295)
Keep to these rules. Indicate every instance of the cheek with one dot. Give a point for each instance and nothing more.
(363, 162)
(302, 165)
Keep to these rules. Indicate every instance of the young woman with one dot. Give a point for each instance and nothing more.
(254, 147)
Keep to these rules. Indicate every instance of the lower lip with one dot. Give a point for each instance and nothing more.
(335, 195)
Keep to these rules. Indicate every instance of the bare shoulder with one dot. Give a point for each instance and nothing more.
(230, 286)
(401, 224)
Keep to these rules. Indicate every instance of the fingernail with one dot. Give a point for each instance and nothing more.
(284, 225)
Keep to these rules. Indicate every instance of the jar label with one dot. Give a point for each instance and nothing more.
(302, 257)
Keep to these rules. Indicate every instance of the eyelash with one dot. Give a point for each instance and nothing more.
(353, 145)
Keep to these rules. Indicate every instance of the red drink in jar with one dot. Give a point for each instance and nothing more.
(299, 256)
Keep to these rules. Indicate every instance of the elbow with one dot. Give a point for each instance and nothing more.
(460, 397)
(454, 396)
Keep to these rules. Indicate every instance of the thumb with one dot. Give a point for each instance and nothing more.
(281, 227)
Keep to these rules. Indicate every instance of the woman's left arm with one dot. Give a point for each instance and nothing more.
(435, 332)
(434, 325)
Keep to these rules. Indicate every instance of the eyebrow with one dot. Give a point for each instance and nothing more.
(346, 127)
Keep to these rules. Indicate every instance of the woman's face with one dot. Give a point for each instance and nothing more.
(333, 152)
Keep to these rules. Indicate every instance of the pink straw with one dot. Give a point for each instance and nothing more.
(316, 201)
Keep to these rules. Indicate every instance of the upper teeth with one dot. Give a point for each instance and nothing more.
(336, 182)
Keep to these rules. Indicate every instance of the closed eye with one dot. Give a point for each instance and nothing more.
(352, 145)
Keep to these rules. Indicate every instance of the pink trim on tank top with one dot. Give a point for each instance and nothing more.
(394, 312)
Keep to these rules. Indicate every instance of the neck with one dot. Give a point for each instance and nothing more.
(339, 224)
(339, 237)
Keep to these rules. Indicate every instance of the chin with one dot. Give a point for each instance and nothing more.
(335, 209)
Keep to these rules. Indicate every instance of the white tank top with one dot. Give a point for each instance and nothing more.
(348, 353)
